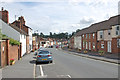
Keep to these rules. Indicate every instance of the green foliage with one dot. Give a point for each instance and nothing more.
(12, 41)
(100, 51)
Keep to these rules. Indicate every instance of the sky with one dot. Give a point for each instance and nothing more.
(58, 16)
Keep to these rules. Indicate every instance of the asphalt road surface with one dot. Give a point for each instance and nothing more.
(71, 66)
(64, 66)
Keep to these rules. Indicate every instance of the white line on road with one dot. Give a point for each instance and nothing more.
(41, 71)
(69, 76)
(34, 71)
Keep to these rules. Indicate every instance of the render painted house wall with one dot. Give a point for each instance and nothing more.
(77, 42)
(108, 37)
(114, 31)
(23, 41)
(30, 38)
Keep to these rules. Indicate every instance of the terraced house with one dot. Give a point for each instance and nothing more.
(102, 36)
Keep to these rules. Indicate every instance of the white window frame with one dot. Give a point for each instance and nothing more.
(93, 35)
(89, 45)
(86, 45)
(118, 43)
(93, 44)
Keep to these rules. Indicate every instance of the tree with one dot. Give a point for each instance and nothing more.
(77, 30)
(51, 34)
(41, 34)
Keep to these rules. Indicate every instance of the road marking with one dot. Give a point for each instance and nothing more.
(69, 76)
(64, 76)
(41, 71)
(34, 71)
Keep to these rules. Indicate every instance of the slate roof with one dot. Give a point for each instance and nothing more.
(107, 24)
(16, 28)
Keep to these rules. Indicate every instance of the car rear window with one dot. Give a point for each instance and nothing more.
(43, 52)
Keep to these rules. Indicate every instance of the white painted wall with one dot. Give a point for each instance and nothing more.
(23, 41)
(30, 38)
(77, 42)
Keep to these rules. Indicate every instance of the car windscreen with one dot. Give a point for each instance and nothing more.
(43, 52)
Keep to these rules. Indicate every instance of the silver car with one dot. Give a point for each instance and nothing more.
(44, 56)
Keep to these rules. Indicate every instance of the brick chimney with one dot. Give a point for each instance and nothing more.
(4, 15)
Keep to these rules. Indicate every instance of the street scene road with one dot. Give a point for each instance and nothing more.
(64, 66)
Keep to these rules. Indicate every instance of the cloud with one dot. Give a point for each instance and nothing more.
(87, 20)
(60, 16)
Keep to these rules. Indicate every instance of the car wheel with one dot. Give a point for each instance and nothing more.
(51, 61)
(36, 62)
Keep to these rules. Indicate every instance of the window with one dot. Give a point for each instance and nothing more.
(86, 36)
(117, 28)
(93, 35)
(89, 45)
(83, 44)
(117, 32)
(101, 34)
(102, 44)
(93, 45)
(118, 43)
(86, 45)
(83, 35)
(109, 32)
(89, 36)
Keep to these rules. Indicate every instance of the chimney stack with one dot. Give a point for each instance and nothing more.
(4, 15)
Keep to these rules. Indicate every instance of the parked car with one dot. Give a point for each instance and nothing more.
(40, 49)
(44, 56)
(57, 46)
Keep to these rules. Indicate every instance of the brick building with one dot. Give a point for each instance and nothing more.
(20, 23)
(102, 36)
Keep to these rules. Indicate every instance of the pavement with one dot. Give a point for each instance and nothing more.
(110, 59)
(21, 69)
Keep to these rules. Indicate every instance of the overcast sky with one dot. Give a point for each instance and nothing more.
(61, 15)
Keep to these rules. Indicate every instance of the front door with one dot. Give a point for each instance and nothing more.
(109, 46)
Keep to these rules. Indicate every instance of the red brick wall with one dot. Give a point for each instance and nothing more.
(13, 54)
(8, 52)
(71, 44)
(89, 40)
(114, 47)
(4, 16)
